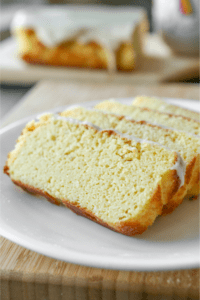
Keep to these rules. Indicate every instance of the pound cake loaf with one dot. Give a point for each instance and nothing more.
(159, 118)
(163, 106)
(113, 179)
(186, 144)
(155, 117)
(91, 37)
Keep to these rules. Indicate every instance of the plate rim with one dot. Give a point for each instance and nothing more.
(107, 263)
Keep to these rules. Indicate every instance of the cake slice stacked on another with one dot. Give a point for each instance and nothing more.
(113, 179)
(163, 106)
(186, 144)
(177, 122)
(155, 117)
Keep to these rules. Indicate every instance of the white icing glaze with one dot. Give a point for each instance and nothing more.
(105, 25)
(179, 166)
(75, 121)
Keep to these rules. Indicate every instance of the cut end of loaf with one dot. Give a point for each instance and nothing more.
(99, 174)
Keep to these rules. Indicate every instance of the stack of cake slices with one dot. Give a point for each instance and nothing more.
(118, 165)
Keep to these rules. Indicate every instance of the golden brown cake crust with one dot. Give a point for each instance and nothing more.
(72, 54)
(6, 169)
(28, 58)
(132, 228)
(191, 177)
(129, 228)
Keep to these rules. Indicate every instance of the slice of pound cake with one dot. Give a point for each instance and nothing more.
(163, 106)
(186, 144)
(155, 117)
(115, 180)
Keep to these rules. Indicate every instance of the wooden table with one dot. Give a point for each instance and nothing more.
(26, 275)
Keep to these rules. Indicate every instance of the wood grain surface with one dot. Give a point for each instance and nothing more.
(27, 275)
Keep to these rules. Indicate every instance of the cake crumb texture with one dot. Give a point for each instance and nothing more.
(112, 180)
(185, 144)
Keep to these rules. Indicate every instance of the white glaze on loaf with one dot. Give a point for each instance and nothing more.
(107, 26)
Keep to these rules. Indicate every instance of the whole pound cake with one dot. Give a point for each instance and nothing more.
(186, 144)
(115, 180)
(94, 37)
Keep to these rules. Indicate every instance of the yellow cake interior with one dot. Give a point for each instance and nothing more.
(113, 177)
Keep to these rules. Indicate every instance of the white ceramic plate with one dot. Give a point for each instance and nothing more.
(171, 243)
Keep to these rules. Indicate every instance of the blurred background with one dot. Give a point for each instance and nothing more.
(9, 7)
(175, 34)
